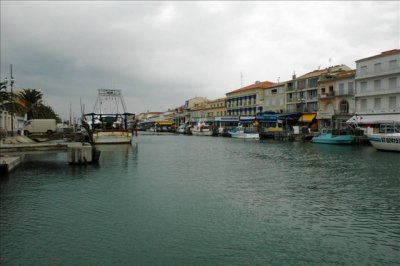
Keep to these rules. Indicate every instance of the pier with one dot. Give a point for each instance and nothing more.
(12, 148)
(8, 163)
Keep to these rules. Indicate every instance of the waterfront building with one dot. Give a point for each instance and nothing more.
(335, 97)
(377, 96)
(198, 112)
(215, 108)
(247, 101)
(275, 98)
(302, 95)
(193, 109)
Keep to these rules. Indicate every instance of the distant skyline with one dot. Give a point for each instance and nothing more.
(161, 54)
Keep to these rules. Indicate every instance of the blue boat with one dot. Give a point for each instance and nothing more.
(326, 137)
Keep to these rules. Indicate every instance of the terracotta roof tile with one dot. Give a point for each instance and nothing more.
(257, 85)
(314, 73)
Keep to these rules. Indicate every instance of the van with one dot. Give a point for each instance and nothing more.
(35, 126)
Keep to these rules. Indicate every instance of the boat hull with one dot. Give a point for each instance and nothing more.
(112, 137)
(329, 139)
(202, 133)
(243, 135)
(385, 142)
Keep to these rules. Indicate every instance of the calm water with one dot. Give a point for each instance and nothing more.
(186, 200)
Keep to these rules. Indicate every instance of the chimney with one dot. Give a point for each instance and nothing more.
(257, 81)
(294, 75)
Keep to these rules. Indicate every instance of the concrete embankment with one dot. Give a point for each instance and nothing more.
(22, 144)
(12, 149)
(8, 163)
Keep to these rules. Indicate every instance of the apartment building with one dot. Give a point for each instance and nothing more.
(377, 96)
(247, 101)
(194, 109)
(275, 98)
(336, 102)
(215, 108)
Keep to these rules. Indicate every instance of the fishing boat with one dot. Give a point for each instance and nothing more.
(110, 126)
(201, 129)
(326, 136)
(388, 139)
(243, 133)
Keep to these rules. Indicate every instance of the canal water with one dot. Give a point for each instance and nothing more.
(186, 200)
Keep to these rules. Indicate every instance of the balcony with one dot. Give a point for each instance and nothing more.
(329, 95)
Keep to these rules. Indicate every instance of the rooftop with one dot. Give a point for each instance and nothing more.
(386, 53)
(256, 85)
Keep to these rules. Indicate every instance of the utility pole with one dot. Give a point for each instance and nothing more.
(12, 103)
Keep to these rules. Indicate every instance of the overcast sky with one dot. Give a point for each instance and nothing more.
(163, 53)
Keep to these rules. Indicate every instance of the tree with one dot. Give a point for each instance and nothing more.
(30, 101)
(4, 95)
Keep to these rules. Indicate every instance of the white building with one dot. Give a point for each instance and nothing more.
(377, 96)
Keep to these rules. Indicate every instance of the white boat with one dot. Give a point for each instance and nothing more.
(243, 133)
(201, 129)
(181, 129)
(107, 127)
(388, 139)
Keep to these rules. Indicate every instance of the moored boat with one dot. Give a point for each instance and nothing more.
(201, 129)
(243, 133)
(326, 136)
(388, 139)
(110, 128)
(388, 142)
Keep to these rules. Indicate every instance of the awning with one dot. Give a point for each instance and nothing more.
(374, 119)
(268, 118)
(306, 118)
(164, 122)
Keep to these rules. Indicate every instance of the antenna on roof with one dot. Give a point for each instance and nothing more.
(241, 79)
(330, 61)
(278, 79)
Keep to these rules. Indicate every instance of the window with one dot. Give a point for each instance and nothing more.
(301, 84)
(312, 94)
(392, 83)
(377, 84)
(392, 103)
(363, 70)
(274, 91)
(377, 67)
(341, 88)
(377, 104)
(330, 90)
(312, 82)
(363, 87)
(312, 107)
(322, 90)
(350, 87)
(393, 64)
(363, 105)
(344, 107)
